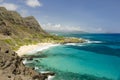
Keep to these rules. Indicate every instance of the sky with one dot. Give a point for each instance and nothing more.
(96, 16)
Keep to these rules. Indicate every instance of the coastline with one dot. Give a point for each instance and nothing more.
(33, 48)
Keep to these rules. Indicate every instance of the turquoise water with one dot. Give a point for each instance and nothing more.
(99, 59)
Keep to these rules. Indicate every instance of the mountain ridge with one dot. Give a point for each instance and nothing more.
(13, 18)
(16, 31)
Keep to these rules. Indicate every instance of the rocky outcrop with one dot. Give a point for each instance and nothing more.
(32, 23)
(12, 66)
(11, 16)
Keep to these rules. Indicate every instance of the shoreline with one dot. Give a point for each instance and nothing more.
(33, 48)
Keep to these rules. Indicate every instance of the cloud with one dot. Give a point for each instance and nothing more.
(9, 6)
(24, 13)
(59, 27)
(33, 3)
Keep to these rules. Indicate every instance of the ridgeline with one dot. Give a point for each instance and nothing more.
(16, 31)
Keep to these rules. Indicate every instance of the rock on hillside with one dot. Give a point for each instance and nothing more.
(12, 68)
(32, 23)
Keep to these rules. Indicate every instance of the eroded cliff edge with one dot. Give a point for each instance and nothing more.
(12, 68)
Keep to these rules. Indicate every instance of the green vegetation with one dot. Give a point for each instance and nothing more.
(15, 43)
(16, 31)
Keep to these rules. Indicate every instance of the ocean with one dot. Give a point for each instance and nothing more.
(97, 59)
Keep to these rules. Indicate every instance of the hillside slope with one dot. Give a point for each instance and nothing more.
(16, 30)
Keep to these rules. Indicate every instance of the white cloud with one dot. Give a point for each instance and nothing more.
(33, 3)
(9, 6)
(24, 13)
(59, 27)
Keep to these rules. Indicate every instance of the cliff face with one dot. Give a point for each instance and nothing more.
(12, 22)
(32, 23)
(12, 68)
(14, 32)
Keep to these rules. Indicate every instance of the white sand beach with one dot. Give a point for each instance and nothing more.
(32, 49)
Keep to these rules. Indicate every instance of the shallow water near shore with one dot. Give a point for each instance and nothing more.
(98, 59)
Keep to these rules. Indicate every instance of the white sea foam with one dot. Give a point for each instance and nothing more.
(89, 41)
(83, 44)
(26, 62)
(50, 77)
(36, 68)
(70, 44)
(75, 44)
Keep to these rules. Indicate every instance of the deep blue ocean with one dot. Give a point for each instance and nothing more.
(97, 59)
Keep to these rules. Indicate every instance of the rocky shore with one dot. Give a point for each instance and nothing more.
(12, 68)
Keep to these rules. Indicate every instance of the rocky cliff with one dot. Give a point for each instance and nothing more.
(11, 23)
(12, 68)
(14, 32)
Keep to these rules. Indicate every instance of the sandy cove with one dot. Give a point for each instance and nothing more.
(31, 49)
